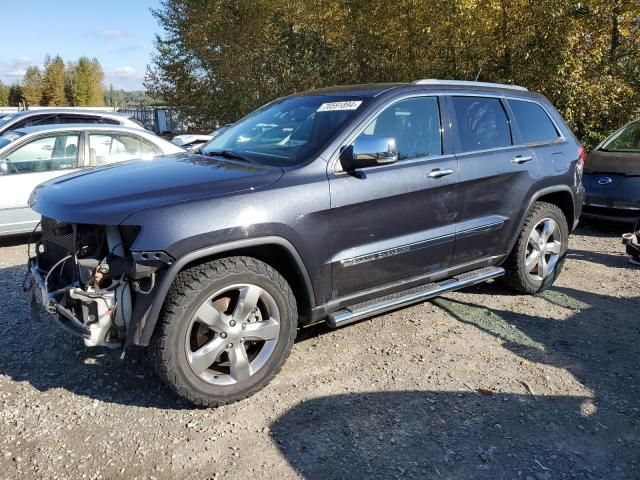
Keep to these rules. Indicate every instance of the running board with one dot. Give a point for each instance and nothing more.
(393, 301)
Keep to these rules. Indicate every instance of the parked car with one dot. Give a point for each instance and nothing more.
(326, 206)
(193, 142)
(57, 116)
(612, 177)
(31, 155)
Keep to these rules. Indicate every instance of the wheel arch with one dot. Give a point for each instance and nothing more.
(559, 195)
(278, 252)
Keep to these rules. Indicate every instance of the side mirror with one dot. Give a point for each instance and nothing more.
(4, 168)
(368, 151)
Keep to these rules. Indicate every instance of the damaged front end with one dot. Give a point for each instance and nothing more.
(87, 278)
(632, 242)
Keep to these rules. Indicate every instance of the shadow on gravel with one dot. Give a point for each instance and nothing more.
(602, 228)
(620, 260)
(48, 358)
(431, 434)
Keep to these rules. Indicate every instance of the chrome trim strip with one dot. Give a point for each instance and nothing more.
(389, 252)
(481, 229)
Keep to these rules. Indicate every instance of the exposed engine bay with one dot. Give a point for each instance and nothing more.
(87, 278)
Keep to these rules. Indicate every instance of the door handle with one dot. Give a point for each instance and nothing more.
(438, 173)
(520, 159)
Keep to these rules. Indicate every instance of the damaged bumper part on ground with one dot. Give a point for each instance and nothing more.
(86, 277)
(632, 241)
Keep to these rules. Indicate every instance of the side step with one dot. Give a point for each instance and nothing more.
(362, 310)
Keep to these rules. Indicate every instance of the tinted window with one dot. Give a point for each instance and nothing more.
(627, 139)
(109, 121)
(414, 124)
(482, 123)
(53, 152)
(534, 123)
(41, 120)
(105, 148)
(78, 119)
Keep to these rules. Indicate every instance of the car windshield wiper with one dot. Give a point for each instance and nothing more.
(228, 154)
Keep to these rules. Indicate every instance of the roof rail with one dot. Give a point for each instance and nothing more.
(467, 83)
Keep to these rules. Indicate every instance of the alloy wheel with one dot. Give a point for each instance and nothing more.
(232, 334)
(543, 249)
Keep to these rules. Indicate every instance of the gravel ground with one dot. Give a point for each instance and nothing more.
(479, 384)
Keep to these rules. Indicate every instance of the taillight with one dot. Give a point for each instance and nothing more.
(582, 155)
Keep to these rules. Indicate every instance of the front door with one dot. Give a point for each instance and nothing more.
(27, 165)
(395, 222)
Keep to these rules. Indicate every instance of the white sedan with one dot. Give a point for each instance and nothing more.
(32, 155)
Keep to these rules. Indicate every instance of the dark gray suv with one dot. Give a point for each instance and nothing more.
(326, 206)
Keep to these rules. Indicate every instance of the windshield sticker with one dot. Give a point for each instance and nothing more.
(333, 106)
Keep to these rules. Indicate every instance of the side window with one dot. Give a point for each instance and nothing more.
(105, 148)
(482, 123)
(108, 121)
(42, 120)
(534, 123)
(415, 125)
(66, 118)
(54, 152)
(35, 120)
(149, 150)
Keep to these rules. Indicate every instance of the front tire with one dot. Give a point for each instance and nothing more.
(226, 329)
(538, 255)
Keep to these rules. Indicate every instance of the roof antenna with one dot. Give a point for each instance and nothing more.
(478, 75)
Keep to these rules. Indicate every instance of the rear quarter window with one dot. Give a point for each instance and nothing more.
(482, 123)
(533, 122)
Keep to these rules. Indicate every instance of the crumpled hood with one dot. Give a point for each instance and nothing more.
(107, 195)
(624, 163)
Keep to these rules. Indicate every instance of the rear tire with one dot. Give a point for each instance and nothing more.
(538, 255)
(226, 329)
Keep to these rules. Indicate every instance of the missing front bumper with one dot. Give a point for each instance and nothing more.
(93, 326)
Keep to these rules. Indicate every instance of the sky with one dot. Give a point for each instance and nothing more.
(119, 33)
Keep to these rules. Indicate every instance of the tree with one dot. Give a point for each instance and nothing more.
(15, 95)
(32, 86)
(4, 95)
(54, 81)
(226, 57)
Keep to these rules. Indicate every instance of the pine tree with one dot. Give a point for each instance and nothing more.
(53, 83)
(32, 86)
(15, 94)
(4, 95)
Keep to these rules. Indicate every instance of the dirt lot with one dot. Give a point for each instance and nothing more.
(480, 384)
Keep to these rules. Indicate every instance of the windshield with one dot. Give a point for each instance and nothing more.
(5, 118)
(287, 131)
(9, 137)
(627, 139)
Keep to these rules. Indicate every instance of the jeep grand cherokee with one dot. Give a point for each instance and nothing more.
(325, 206)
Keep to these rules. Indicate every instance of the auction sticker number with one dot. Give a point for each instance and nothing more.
(333, 106)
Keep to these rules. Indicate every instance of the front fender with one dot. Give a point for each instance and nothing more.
(147, 308)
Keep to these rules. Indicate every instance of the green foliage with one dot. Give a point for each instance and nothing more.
(53, 82)
(227, 57)
(122, 98)
(32, 86)
(4, 95)
(86, 78)
(77, 84)
(15, 95)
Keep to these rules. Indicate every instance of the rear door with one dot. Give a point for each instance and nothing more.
(496, 175)
(390, 223)
(28, 164)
